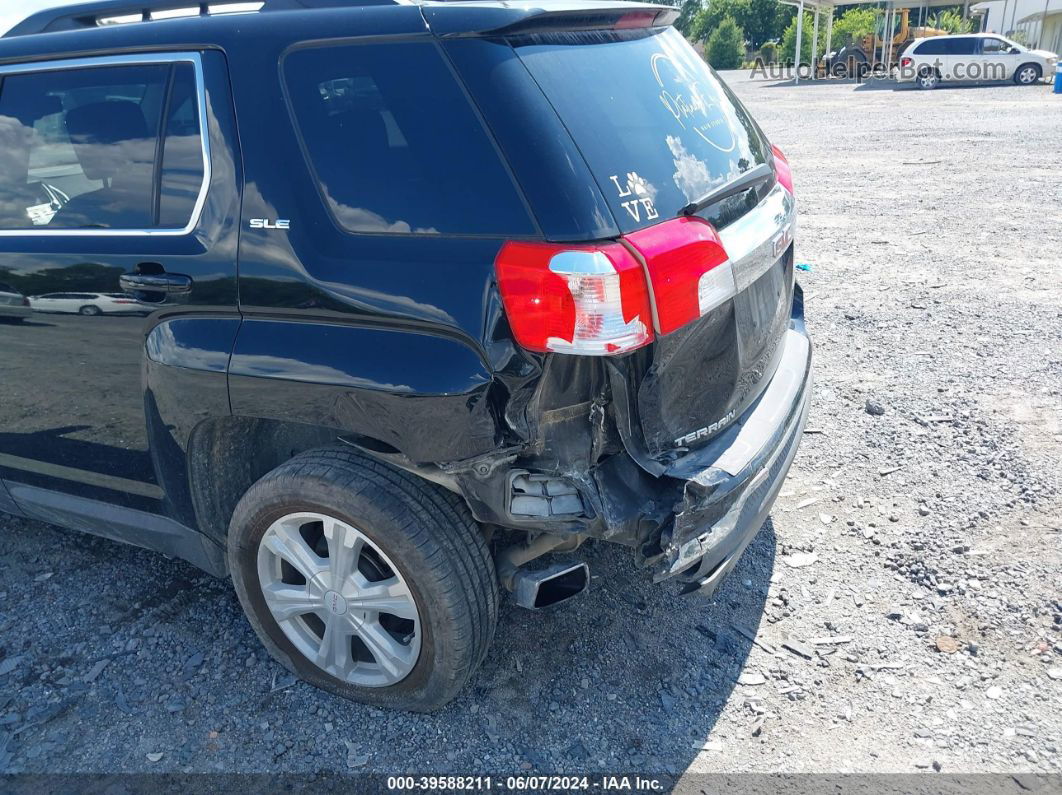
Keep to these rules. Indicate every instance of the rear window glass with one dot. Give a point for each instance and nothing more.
(655, 124)
(395, 145)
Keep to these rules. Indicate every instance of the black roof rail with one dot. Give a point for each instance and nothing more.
(89, 15)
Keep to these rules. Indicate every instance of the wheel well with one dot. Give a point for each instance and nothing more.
(1033, 64)
(227, 456)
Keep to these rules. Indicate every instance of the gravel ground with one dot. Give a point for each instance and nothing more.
(904, 597)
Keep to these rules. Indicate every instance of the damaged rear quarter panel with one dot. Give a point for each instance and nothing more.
(422, 395)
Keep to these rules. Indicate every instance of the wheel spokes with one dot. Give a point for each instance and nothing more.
(344, 549)
(334, 654)
(387, 596)
(389, 654)
(288, 544)
(336, 600)
(288, 601)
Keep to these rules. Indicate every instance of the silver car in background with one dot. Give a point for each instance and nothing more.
(87, 304)
(13, 304)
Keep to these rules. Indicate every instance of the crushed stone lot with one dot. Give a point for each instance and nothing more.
(900, 612)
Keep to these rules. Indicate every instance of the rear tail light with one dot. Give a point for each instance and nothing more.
(782, 172)
(688, 268)
(588, 300)
(905, 62)
(598, 300)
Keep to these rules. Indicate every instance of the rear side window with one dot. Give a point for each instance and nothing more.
(963, 45)
(394, 144)
(932, 47)
(653, 121)
(108, 147)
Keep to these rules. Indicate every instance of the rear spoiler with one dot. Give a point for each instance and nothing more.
(525, 16)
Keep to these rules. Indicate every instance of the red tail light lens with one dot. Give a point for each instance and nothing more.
(689, 269)
(906, 62)
(782, 172)
(587, 300)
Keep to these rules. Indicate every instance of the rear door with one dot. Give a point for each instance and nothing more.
(106, 167)
(964, 58)
(932, 53)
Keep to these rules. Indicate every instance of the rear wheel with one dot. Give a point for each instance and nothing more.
(364, 580)
(928, 78)
(90, 311)
(1027, 74)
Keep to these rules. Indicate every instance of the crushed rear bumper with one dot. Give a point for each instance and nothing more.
(731, 484)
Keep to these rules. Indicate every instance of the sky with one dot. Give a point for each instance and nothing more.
(14, 11)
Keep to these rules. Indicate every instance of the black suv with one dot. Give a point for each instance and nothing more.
(433, 293)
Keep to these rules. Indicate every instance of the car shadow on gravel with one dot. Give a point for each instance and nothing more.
(155, 658)
(630, 676)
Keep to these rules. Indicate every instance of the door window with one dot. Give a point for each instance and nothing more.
(994, 46)
(107, 147)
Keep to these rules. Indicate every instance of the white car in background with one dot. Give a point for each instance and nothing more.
(87, 304)
(973, 57)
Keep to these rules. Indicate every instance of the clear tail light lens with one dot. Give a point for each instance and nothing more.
(586, 300)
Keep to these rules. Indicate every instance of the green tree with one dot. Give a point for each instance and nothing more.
(788, 48)
(1019, 37)
(712, 14)
(726, 45)
(687, 13)
(769, 52)
(854, 24)
(762, 22)
(951, 21)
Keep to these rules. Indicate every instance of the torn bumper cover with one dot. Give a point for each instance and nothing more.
(731, 484)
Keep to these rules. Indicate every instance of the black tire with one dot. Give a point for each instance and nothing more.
(1028, 74)
(90, 311)
(429, 534)
(928, 78)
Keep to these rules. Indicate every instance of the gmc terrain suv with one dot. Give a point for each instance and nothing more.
(433, 293)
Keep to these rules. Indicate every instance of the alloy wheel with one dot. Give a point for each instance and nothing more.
(1028, 75)
(339, 599)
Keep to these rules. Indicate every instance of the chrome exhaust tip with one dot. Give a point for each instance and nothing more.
(538, 589)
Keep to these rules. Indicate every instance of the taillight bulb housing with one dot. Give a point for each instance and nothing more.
(584, 300)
